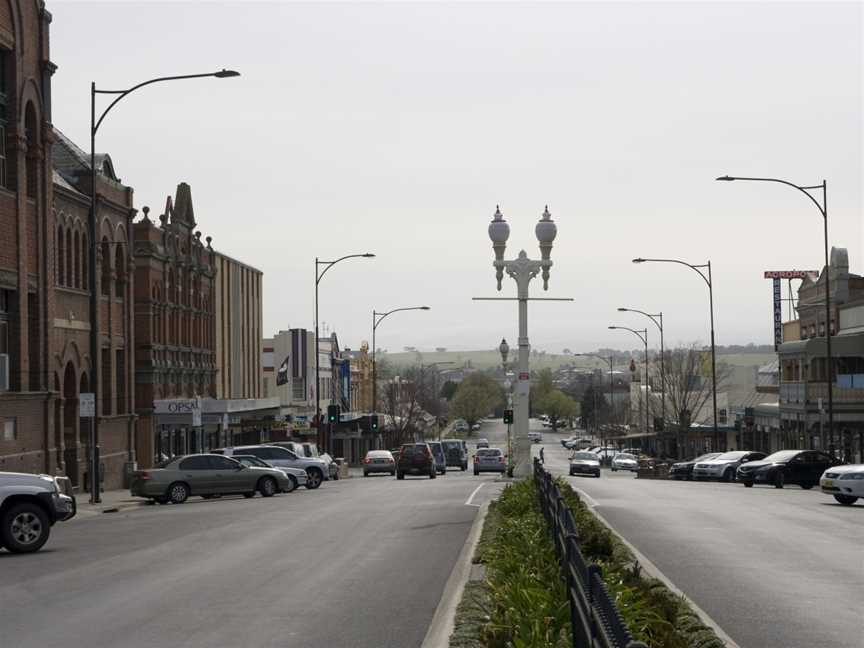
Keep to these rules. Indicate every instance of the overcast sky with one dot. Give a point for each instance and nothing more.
(396, 128)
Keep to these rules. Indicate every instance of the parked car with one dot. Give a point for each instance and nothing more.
(584, 463)
(456, 453)
(725, 465)
(311, 450)
(460, 426)
(296, 475)
(535, 437)
(606, 454)
(684, 469)
(475, 427)
(415, 459)
(206, 475)
(624, 461)
(279, 457)
(802, 467)
(379, 461)
(440, 458)
(570, 443)
(29, 506)
(845, 483)
(489, 460)
(482, 443)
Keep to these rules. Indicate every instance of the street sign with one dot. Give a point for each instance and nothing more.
(87, 404)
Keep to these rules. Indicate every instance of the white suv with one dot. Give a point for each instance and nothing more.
(29, 507)
(316, 469)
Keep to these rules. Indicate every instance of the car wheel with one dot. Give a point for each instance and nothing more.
(748, 484)
(178, 492)
(729, 475)
(400, 475)
(25, 528)
(806, 485)
(292, 484)
(848, 500)
(249, 495)
(779, 480)
(267, 487)
(313, 478)
(365, 474)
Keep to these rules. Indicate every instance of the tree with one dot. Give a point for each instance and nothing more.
(594, 407)
(401, 404)
(448, 390)
(542, 387)
(477, 396)
(558, 406)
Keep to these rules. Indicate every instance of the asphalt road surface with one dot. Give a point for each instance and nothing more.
(359, 562)
(774, 568)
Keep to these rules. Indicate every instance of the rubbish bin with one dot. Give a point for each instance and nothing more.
(342, 467)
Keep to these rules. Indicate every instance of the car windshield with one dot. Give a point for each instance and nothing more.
(488, 452)
(731, 456)
(624, 455)
(707, 456)
(585, 455)
(252, 461)
(379, 454)
(782, 456)
(451, 445)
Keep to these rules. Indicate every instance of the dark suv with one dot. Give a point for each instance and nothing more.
(415, 459)
(456, 453)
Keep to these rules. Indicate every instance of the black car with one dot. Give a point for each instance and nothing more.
(684, 469)
(455, 453)
(802, 467)
(415, 459)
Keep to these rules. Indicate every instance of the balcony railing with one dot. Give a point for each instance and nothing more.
(793, 392)
(815, 391)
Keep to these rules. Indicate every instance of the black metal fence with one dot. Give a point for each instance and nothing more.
(595, 619)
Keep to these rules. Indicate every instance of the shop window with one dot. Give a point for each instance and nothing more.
(10, 428)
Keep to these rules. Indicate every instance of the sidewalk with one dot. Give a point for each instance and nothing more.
(113, 501)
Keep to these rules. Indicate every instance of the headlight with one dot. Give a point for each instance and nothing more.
(852, 476)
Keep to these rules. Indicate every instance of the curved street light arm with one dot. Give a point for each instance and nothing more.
(123, 93)
(802, 189)
(635, 332)
(378, 319)
(692, 266)
(649, 315)
(330, 264)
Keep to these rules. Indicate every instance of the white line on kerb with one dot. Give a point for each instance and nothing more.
(591, 501)
(468, 501)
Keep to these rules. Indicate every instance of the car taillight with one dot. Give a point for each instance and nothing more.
(391, 460)
(500, 459)
(367, 460)
(145, 476)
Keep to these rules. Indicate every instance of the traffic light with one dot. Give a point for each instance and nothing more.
(508, 416)
(333, 412)
(373, 422)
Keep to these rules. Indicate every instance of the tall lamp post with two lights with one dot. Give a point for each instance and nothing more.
(92, 230)
(657, 318)
(377, 318)
(611, 389)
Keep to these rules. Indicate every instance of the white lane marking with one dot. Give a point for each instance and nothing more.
(468, 501)
(592, 503)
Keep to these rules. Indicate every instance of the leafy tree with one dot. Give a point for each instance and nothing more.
(542, 387)
(448, 390)
(477, 396)
(558, 406)
(594, 406)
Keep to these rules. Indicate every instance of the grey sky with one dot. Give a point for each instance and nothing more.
(396, 128)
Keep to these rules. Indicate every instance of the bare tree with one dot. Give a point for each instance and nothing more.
(401, 404)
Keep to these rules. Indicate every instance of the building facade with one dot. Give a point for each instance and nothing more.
(175, 344)
(295, 349)
(27, 390)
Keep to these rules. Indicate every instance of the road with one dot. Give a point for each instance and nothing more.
(359, 562)
(774, 568)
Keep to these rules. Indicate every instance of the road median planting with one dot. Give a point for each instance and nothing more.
(524, 598)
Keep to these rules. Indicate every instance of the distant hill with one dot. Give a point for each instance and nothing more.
(739, 356)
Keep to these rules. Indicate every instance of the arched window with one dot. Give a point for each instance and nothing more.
(105, 276)
(170, 287)
(85, 263)
(70, 253)
(76, 246)
(31, 133)
(61, 257)
(120, 272)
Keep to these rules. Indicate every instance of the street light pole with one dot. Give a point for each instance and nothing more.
(377, 318)
(710, 283)
(657, 318)
(437, 399)
(92, 230)
(318, 277)
(608, 359)
(504, 349)
(642, 334)
(823, 209)
(522, 270)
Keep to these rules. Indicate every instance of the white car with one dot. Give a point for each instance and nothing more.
(535, 437)
(624, 461)
(845, 483)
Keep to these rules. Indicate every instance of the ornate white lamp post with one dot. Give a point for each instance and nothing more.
(522, 270)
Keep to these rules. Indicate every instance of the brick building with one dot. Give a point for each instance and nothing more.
(175, 346)
(26, 248)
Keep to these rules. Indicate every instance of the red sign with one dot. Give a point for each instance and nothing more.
(791, 274)
(524, 375)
